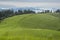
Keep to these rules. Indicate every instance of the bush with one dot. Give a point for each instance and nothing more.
(58, 29)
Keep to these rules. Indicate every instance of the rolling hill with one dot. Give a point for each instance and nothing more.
(30, 27)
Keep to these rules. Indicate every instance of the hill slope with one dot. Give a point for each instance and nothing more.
(30, 27)
(39, 21)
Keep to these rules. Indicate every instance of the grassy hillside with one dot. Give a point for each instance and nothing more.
(30, 27)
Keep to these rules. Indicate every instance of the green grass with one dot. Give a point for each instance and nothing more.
(30, 27)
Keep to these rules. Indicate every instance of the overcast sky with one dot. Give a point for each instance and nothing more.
(33, 0)
(30, 3)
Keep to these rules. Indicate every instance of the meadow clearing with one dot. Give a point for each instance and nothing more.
(30, 27)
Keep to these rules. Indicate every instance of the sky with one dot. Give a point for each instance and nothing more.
(30, 3)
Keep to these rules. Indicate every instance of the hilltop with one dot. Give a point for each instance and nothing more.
(33, 21)
(30, 27)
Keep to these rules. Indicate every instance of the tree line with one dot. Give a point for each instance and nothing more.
(51, 11)
(8, 13)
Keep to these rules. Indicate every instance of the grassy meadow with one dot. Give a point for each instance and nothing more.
(30, 27)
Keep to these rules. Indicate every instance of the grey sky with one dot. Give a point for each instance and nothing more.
(33, 0)
(30, 3)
